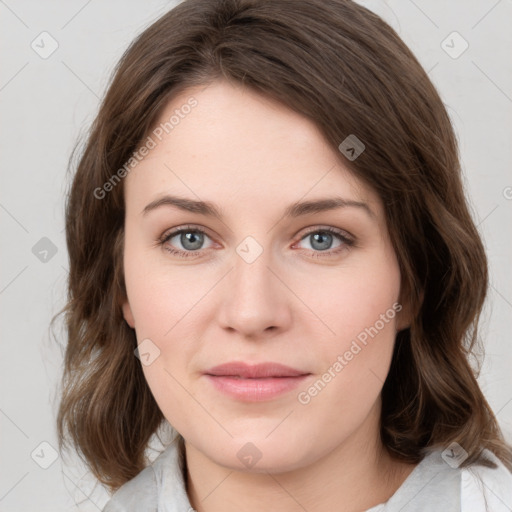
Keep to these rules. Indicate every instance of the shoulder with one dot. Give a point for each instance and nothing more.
(437, 484)
(486, 489)
(160, 482)
(139, 493)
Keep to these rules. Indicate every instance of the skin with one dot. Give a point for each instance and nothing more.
(253, 157)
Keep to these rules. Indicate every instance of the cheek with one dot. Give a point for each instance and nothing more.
(337, 401)
(169, 386)
(165, 304)
(161, 305)
(355, 300)
(161, 298)
(362, 311)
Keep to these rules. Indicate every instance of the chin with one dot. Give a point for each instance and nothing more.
(256, 454)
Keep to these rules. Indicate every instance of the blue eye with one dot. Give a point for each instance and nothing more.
(192, 238)
(321, 241)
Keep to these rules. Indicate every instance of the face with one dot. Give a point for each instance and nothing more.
(252, 277)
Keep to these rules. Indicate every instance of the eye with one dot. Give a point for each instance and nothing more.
(321, 241)
(188, 240)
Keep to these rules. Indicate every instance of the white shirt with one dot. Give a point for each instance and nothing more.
(433, 486)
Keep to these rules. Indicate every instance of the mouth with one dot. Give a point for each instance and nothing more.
(255, 383)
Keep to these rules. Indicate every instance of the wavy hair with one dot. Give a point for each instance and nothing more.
(344, 68)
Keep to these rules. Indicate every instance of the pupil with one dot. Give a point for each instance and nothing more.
(195, 239)
(319, 236)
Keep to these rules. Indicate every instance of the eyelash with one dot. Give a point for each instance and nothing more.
(347, 242)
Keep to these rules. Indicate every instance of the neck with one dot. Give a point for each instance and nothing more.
(356, 475)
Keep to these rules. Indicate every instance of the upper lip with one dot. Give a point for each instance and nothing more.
(261, 370)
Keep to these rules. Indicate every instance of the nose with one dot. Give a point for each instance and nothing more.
(255, 303)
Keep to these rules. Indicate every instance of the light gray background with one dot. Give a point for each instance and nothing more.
(47, 103)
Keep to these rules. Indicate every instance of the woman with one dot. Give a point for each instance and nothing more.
(269, 214)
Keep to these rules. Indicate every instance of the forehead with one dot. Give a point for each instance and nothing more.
(233, 144)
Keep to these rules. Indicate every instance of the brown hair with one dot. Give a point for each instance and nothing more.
(343, 67)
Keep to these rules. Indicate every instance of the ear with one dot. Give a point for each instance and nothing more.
(406, 314)
(403, 316)
(128, 315)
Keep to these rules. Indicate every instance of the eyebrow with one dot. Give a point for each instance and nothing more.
(297, 209)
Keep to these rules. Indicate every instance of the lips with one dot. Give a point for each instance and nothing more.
(258, 371)
(254, 383)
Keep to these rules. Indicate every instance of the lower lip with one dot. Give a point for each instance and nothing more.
(255, 390)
